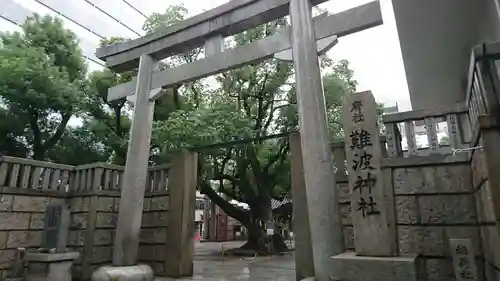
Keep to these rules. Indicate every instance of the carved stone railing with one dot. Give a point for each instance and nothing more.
(36, 175)
(483, 87)
(39, 175)
(457, 130)
(157, 178)
(97, 176)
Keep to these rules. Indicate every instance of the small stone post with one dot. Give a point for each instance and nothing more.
(322, 195)
(181, 226)
(372, 202)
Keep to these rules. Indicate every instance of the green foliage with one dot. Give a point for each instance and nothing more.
(42, 83)
(79, 146)
(444, 141)
(158, 22)
(254, 101)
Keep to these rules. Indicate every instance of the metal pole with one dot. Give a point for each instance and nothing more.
(322, 195)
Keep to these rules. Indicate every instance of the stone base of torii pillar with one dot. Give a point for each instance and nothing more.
(124, 273)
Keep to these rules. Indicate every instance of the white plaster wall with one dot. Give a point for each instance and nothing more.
(436, 37)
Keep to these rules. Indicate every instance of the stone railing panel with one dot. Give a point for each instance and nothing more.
(98, 176)
(401, 131)
(30, 174)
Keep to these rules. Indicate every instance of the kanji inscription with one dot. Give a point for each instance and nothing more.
(371, 217)
(464, 260)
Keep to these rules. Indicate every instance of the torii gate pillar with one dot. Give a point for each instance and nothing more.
(322, 196)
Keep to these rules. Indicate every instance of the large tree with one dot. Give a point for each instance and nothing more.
(42, 85)
(104, 132)
(253, 102)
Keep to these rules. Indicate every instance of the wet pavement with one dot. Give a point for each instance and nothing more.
(210, 265)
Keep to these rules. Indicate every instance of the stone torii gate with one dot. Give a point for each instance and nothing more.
(209, 29)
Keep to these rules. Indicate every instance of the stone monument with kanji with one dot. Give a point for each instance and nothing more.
(372, 202)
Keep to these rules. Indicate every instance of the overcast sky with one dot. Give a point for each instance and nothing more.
(374, 54)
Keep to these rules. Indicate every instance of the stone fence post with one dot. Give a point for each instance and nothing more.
(180, 230)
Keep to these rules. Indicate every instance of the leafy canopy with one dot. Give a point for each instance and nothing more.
(42, 85)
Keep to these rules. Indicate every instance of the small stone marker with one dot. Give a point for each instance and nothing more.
(464, 261)
(55, 229)
(372, 208)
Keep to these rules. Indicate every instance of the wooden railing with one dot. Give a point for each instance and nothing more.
(39, 175)
(483, 87)
(402, 127)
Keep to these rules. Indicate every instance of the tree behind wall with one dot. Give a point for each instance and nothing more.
(42, 85)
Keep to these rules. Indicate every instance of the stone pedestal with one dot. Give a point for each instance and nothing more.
(50, 267)
(124, 273)
(351, 267)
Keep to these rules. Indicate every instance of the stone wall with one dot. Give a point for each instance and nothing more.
(93, 222)
(345, 212)
(434, 201)
(153, 243)
(27, 187)
(21, 221)
(94, 217)
(485, 201)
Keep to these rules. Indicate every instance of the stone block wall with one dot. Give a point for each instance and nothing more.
(488, 222)
(103, 214)
(434, 201)
(27, 187)
(21, 221)
(153, 239)
(345, 212)
(79, 218)
(94, 217)
(93, 222)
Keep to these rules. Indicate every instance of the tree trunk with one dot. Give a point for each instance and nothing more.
(257, 239)
(261, 243)
(38, 153)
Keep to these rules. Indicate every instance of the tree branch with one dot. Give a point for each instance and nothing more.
(231, 210)
(51, 142)
(37, 141)
(280, 155)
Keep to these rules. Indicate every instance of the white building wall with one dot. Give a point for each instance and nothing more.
(436, 38)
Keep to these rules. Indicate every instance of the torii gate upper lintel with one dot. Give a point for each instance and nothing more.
(341, 24)
(303, 38)
(228, 19)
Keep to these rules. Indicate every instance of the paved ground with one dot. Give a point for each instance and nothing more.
(209, 265)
